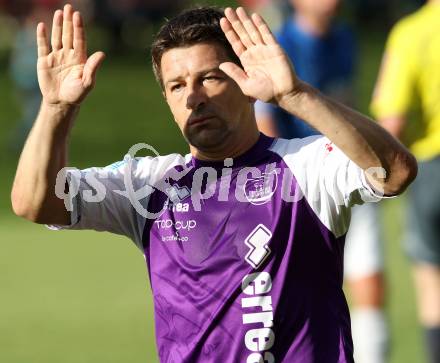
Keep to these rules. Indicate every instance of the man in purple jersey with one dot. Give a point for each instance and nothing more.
(244, 236)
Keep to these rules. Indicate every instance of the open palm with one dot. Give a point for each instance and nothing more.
(65, 74)
(267, 73)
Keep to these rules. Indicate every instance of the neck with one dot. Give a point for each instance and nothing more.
(234, 147)
(313, 24)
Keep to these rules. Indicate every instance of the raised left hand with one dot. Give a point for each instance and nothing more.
(267, 73)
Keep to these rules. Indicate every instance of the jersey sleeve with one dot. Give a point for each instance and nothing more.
(394, 92)
(328, 179)
(110, 198)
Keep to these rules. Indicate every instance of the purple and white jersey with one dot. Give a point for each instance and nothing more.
(245, 256)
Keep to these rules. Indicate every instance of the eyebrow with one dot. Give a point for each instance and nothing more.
(176, 79)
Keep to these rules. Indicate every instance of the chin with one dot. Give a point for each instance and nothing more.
(206, 140)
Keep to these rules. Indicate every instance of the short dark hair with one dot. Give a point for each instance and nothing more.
(193, 26)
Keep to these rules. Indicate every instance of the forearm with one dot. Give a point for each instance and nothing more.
(361, 139)
(44, 154)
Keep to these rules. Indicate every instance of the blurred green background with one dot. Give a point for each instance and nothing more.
(84, 296)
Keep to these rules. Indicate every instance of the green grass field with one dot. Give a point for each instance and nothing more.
(84, 296)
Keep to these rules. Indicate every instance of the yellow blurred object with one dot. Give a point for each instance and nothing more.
(409, 81)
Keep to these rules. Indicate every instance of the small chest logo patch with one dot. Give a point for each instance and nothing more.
(260, 190)
(178, 194)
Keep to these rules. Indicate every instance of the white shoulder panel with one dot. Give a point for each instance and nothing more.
(109, 198)
(329, 180)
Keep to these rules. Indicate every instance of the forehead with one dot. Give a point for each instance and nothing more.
(194, 59)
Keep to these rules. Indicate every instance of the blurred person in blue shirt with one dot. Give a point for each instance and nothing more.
(323, 53)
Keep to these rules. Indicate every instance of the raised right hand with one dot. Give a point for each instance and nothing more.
(66, 75)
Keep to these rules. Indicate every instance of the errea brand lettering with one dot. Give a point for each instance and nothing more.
(260, 337)
(178, 207)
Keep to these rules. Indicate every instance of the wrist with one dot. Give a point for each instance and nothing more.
(58, 115)
(59, 107)
(294, 97)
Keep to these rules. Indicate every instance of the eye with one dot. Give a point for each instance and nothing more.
(176, 87)
(211, 78)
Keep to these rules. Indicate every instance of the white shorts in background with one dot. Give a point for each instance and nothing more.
(363, 247)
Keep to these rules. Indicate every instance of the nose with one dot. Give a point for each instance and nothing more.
(196, 97)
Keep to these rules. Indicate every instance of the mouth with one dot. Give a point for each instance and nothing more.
(199, 120)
